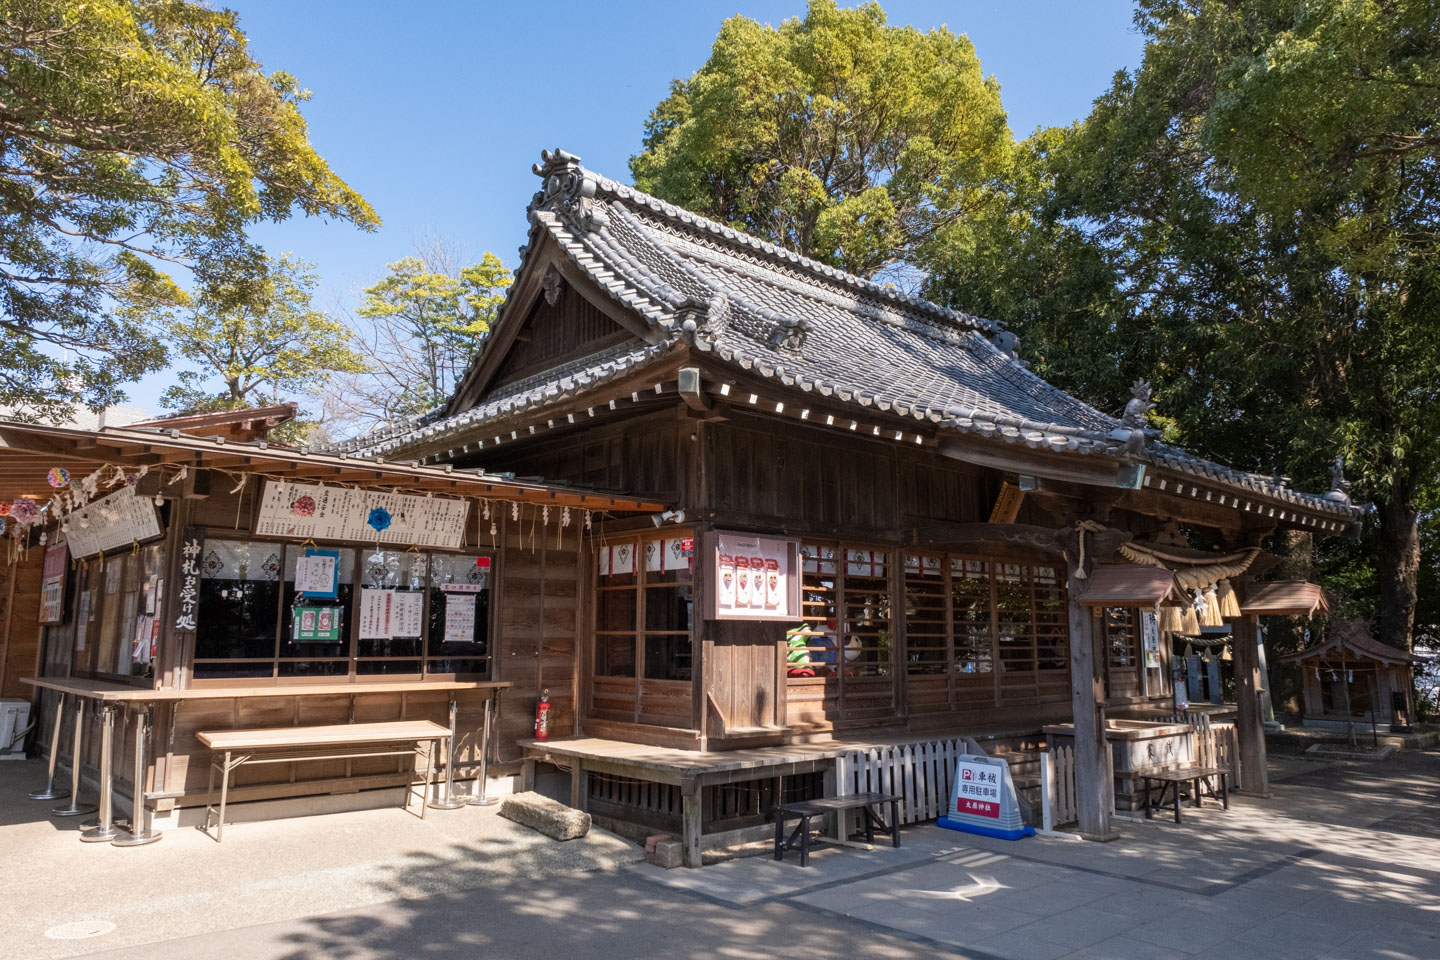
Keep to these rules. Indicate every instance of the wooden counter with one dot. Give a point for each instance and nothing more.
(109, 691)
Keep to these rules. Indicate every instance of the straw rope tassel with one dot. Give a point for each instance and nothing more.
(1229, 602)
(1190, 623)
(1212, 609)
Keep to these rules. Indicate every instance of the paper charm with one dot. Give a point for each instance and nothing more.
(59, 477)
(379, 519)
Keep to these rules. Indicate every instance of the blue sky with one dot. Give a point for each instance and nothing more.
(435, 111)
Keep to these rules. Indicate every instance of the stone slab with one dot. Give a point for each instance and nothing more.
(550, 817)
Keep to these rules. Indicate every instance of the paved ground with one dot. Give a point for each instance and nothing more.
(1344, 862)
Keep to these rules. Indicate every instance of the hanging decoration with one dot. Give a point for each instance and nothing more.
(303, 506)
(1211, 614)
(24, 511)
(1190, 624)
(1170, 619)
(379, 519)
(4, 509)
(1229, 603)
(59, 477)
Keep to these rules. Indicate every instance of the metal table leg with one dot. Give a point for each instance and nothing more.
(480, 799)
(50, 791)
(139, 824)
(105, 829)
(449, 801)
(74, 808)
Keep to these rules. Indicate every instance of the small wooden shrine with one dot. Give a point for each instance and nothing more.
(1350, 677)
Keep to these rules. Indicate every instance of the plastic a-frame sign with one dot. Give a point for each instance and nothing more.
(983, 800)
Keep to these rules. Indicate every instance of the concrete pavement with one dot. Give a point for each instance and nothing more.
(1344, 862)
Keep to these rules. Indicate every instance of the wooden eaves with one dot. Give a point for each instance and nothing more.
(28, 451)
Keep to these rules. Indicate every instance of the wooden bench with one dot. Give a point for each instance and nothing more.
(1172, 779)
(232, 749)
(806, 809)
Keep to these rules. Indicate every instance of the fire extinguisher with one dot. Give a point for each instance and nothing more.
(542, 716)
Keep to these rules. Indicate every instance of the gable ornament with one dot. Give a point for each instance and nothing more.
(550, 285)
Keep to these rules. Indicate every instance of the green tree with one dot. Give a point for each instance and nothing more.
(1263, 194)
(135, 136)
(835, 135)
(264, 342)
(425, 320)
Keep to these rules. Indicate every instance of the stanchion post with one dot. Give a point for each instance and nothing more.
(139, 824)
(481, 799)
(77, 744)
(49, 791)
(449, 801)
(105, 828)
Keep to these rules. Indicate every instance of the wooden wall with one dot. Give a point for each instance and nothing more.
(748, 472)
(648, 456)
(20, 630)
(537, 607)
(571, 328)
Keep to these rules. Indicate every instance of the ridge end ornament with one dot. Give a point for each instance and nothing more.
(1339, 486)
(569, 188)
(1138, 406)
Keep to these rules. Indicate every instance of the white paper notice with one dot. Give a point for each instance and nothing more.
(755, 578)
(315, 574)
(460, 618)
(375, 606)
(406, 613)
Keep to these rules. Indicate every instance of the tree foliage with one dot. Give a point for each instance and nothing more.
(265, 342)
(1250, 221)
(424, 321)
(135, 136)
(835, 135)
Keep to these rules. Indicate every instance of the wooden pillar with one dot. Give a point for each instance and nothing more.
(1094, 785)
(1250, 729)
(690, 822)
(579, 785)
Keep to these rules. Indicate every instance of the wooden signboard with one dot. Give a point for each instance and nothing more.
(312, 511)
(52, 584)
(117, 520)
(752, 577)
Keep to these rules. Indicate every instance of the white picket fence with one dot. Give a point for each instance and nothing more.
(1057, 788)
(921, 774)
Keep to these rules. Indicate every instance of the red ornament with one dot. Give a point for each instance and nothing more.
(4, 509)
(303, 507)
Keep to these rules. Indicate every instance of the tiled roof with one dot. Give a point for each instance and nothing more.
(811, 327)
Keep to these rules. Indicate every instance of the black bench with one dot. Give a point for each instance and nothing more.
(807, 809)
(1171, 780)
